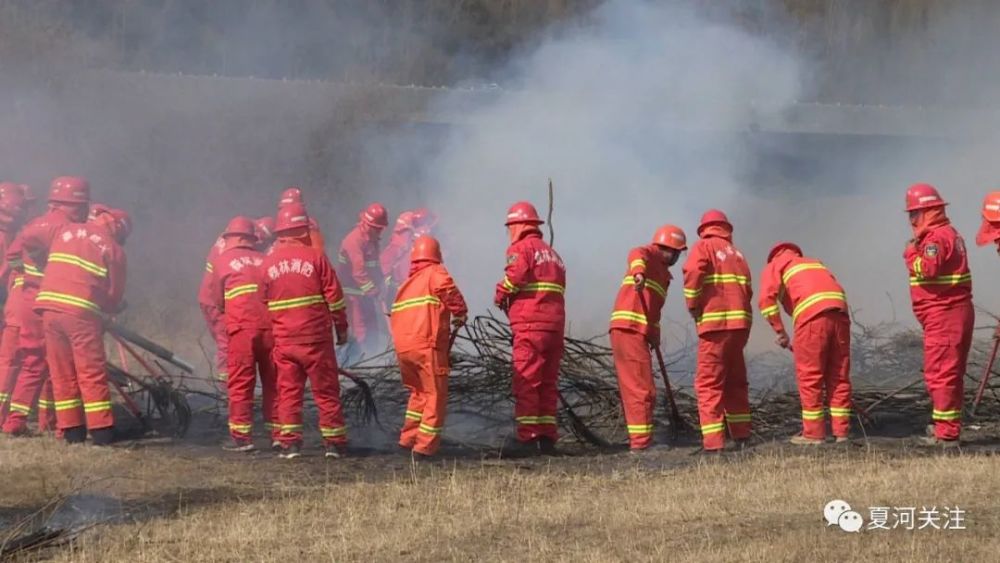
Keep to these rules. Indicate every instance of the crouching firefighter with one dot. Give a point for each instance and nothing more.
(426, 304)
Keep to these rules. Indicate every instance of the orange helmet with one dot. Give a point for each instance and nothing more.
(923, 196)
(264, 228)
(523, 212)
(670, 236)
(69, 189)
(290, 195)
(375, 216)
(713, 217)
(426, 249)
(991, 207)
(240, 226)
(783, 246)
(290, 217)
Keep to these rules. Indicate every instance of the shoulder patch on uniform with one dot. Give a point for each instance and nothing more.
(931, 250)
(511, 258)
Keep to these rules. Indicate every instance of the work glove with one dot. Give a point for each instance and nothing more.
(458, 322)
(695, 313)
(783, 341)
(652, 340)
(640, 281)
(504, 304)
(341, 337)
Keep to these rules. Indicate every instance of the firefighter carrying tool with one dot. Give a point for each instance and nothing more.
(358, 266)
(635, 328)
(718, 293)
(426, 304)
(989, 232)
(810, 293)
(306, 305)
(83, 285)
(941, 292)
(532, 294)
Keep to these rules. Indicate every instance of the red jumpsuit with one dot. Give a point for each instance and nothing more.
(213, 315)
(30, 250)
(717, 290)
(534, 285)
(420, 322)
(306, 303)
(632, 333)
(822, 344)
(84, 282)
(395, 259)
(941, 291)
(9, 364)
(237, 290)
(358, 267)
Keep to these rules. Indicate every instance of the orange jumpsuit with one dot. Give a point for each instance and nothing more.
(358, 266)
(941, 291)
(633, 331)
(718, 293)
(822, 342)
(420, 321)
(84, 282)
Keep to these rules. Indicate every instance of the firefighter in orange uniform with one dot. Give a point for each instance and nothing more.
(427, 302)
(718, 293)
(358, 266)
(12, 209)
(532, 293)
(306, 305)
(941, 292)
(84, 283)
(237, 290)
(69, 199)
(635, 328)
(810, 293)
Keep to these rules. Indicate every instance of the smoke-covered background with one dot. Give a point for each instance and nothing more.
(642, 113)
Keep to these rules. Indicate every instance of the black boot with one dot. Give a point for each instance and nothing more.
(75, 435)
(547, 446)
(102, 436)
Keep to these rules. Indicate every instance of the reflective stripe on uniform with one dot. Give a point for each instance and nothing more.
(726, 278)
(840, 411)
(209, 268)
(738, 417)
(713, 428)
(243, 428)
(638, 262)
(295, 303)
(289, 428)
(332, 431)
(769, 311)
(509, 285)
(44, 404)
(31, 270)
(544, 287)
(800, 268)
(367, 286)
(812, 414)
(99, 406)
(952, 279)
(66, 299)
(414, 415)
(86, 265)
(416, 302)
(659, 289)
(536, 420)
(946, 415)
(68, 404)
(339, 305)
(353, 291)
(639, 429)
(428, 429)
(628, 316)
(21, 408)
(18, 281)
(815, 298)
(723, 316)
(239, 290)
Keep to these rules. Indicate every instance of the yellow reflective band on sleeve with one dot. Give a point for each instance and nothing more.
(769, 311)
(953, 279)
(86, 265)
(295, 303)
(65, 299)
(30, 270)
(99, 406)
(713, 428)
(840, 411)
(628, 316)
(18, 281)
(545, 287)
(353, 291)
(815, 298)
(239, 290)
(509, 285)
(738, 417)
(338, 306)
(812, 414)
(243, 428)
(68, 404)
(428, 429)
(726, 278)
(388, 280)
(640, 429)
(426, 300)
(657, 288)
(692, 293)
(800, 268)
(20, 408)
(637, 263)
(414, 415)
(3, 398)
(918, 267)
(209, 268)
(332, 431)
(947, 415)
(717, 316)
(367, 286)
(341, 259)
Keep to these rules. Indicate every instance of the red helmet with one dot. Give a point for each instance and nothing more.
(923, 196)
(424, 219)
(375, 216)
(290, 195)
(290, 217)
(426, 249)
(783, 246)
(523, 212)
(264, 228)
(713, 217)
(69, 189)
(240, 226)
(670, 236)
(12, 195)
(406, 221)
(991, 207)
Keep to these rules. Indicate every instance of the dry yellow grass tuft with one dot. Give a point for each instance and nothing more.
(758, 507)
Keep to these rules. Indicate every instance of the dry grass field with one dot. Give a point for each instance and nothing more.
(168, 503)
